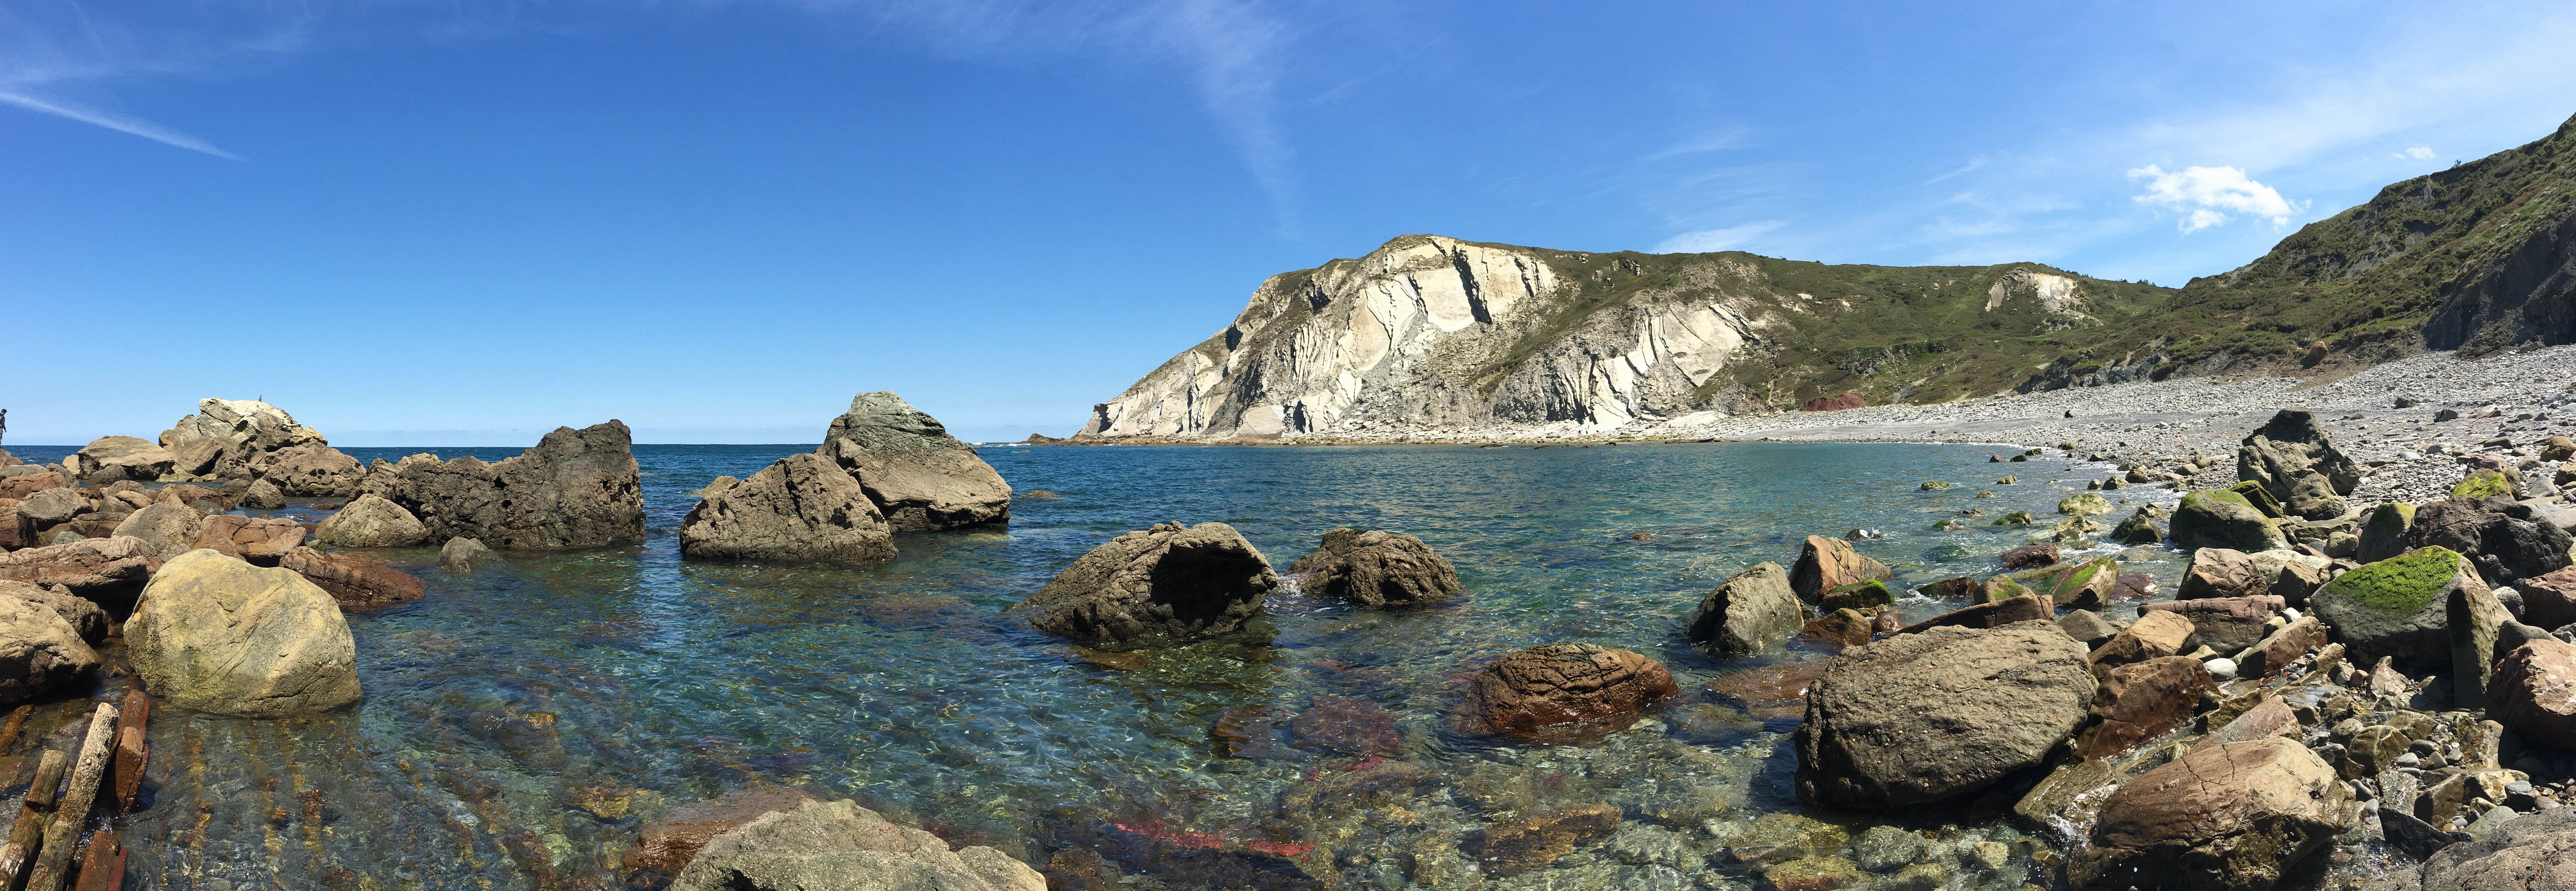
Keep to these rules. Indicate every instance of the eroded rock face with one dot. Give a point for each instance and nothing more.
(819, 845)
(2504, 538)
(1163, 586)
(41, 656)
(2231, 817)
(356, 582)
(111, 458)
(921, 478)
(2533, 692)
(2396, 608)
(232, 439)
(371, 522)
(311, 470)
(575, 489)
(2294, 459)
(2141, 701)
(1376, 568)
(216, 634)
(1829, 563)
(1562, 692)
(1940, 713)
(801, 508)
(1752, 612)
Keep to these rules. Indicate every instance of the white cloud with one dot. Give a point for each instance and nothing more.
(2416, 153)
(113, 121)
(1707, 240)
(2210, 193)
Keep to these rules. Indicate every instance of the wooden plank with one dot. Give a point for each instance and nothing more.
(17, 723)
(54, 857)
(133, 749)
(30, 829)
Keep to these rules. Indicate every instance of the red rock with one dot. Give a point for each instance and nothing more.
(2142, 701)
(2285, 646)
(1829, 563)
(356, 582)
(1833, 403)
(668, 843)
(2550, 600)
(18, 487)
(103, 865)
(2533, 692)
(1563, 690)
(2154, 635)
(1991, 615)
(1888, 621)
(2133, 586)
(15, 531)
(259, 542)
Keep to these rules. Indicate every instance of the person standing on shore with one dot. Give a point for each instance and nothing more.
(4, 423)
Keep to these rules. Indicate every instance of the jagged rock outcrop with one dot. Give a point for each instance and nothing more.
(1376, 568)
(1163, 586)
(921, 478)
(216, 634)
(2293, 458)
(234, 439)
(800, 508)
(575, 489)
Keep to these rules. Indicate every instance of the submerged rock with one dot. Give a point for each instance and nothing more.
(371, 522)
(465, 555)
(215, 634)
(2233, 817)
(1540, 840)
(921, 478)
(828, 845)
(1163, 586)
(1376, 568)
(1563, 691)
(1753, 612)
(1940, 713)
(666, 845)
(802, 508)
(575, 489)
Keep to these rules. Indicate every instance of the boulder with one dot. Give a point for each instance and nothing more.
(166, 529)
(2550, 600)
(229, 439)
(2233, 817)
(219, 635)
(2397, 608)
(2087, 585)
(1828, 563)
(2533, 692)
(2293, 458)
(1561, 692)
(2138, 529)
(17, 488)
(259, 540)
(2261, 498)
(1751, 613)
(2283, 646)
(2084, 504)
(16, 531)
(1864, 595)
(263, 495)
(800, 508)
(2143, 700)
(2472, 617)
(356, 582)
(2031, 556)
(1995, 614)
(1376, 568)
(2384, 532)
(1163, 586)
(109, 572)
(2294, 579)
(2154, 635)
(2532, 852)
(2086, 627)
(2223, 572)
(1838, 629)
(2223, 624)
(2493, 482)
(53, 507)
(86, 619)
(1937, 714)
(575, 489)
(371, 522)
(111, 458)
(920, 477)
(2507, 540)
(465, 555)
(311, 470)
(819, 845)
(2217, 518)
(41, 656)
(666, 844)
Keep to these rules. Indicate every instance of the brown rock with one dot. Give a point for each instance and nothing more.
(2285, 646)
(19, 487)
(673, 838)
(108, 571)
(1829, 563)
(1990, 615)
(1959, 588)
(1376, 568)
(1887, 621)
(2235, 817)
(2550, 600)
(2154, 635)
(2222, 572)
(258, 541)
(2141, 701)
(2224, 624)
(16, 530)
(2133, 586)
(1937, 715)
(1564, 690)
(356, 582)
(1520, 847)
(2268, 718)
(2031, 556)
(1838, 629)
(2296, 581)
(133, 750)
(2533, 692)
(1163, 586)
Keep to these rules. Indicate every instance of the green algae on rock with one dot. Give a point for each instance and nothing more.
(2223, 518)
(2395, 608)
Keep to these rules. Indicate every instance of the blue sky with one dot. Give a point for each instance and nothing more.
(457, 222)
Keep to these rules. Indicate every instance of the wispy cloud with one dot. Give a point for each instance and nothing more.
(2208, 194)
(1974, 164)
(2415, 153)
(1726, 239)
(111, 120)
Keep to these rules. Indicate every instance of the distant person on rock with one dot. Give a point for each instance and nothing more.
(4, 423)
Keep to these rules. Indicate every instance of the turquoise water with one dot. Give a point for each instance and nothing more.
(520, 724)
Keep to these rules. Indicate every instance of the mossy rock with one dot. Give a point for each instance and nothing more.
(2397, 607)
(2084, 504)
(2383, 533)
(2002, 588)
(2223, 518)
(1863, 596)
(2483, 484)
(2016, 518)
(1936, 485)
(2076, 532)
(2261, 498)
(2087, 586)
(2138, 529)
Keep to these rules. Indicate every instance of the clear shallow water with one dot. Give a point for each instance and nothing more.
(520, 724)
